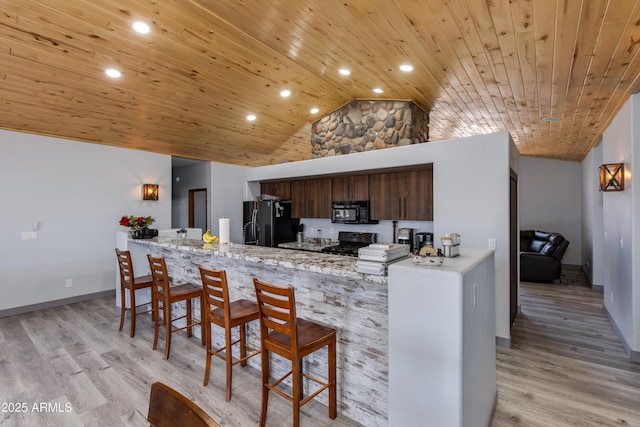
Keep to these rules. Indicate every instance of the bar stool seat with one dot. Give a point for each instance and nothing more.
(131, 283)
(164, 296)
(227, 315)
(292, 338)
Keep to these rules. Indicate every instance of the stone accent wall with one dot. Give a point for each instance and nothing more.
(369, 125)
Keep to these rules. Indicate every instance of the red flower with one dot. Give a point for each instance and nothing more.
(136, 222)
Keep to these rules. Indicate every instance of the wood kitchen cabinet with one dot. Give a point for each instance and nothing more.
(311, 198)
(350, 187)
(280, 189)
(406, 195)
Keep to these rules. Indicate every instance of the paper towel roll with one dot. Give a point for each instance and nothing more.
(223, 224)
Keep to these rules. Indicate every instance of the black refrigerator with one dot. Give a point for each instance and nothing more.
(268, 223)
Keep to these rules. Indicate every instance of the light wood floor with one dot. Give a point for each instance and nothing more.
(565, 368)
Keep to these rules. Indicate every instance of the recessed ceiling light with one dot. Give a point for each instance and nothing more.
(112, 72)
(344, 71)
(251, 117)
(285, 93)
(551, 119)
(140, 27)
(377, 90)
(407, 68)
(314, 110)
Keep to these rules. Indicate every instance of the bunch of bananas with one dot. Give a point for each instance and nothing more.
(209, 238)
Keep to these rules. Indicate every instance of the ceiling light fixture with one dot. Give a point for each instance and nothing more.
(285, 93)
(344, 71)
(314, 110)
(251, 117)
(407, 68)
(112, 72)
(377, 90)
(551, 119)
(140, 27)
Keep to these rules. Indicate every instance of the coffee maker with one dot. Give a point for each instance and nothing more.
(405, 236)
(423, 239)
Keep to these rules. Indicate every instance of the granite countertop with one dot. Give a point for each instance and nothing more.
(307, 245)
(307, 260)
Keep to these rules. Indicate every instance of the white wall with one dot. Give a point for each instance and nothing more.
(77, 193)
(471, 192)
(592, 226)
(551, 200)
(227, 195)
(621, 228)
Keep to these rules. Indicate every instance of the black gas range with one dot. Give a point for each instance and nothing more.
(349, 242)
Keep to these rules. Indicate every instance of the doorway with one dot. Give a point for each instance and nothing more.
(514, 246)
(198, 211)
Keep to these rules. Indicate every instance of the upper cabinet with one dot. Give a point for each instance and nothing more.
(404, 195)
(279, 189)
(350, 187)
(311, 198)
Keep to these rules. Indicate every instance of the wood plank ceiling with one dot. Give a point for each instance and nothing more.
(480, 66)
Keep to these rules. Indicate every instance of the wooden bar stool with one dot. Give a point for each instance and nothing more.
(164, 295)
(281, 332)
(131, 283)
(219, 311)
(170, 408)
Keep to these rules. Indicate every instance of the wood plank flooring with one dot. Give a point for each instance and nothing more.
(566, 367)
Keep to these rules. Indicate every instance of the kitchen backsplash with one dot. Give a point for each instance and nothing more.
(325, 229)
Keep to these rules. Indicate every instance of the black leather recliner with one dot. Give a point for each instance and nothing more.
(540, 255)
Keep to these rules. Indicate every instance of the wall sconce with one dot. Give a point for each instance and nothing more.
(612, 177)
(150, 192)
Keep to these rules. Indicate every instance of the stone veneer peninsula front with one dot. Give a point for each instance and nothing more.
(327, 289)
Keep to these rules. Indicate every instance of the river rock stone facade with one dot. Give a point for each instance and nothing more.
(364, 125)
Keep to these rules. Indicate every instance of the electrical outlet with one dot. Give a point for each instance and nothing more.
(492, 244)
(68, 283)
(611, 297)
(29, 235)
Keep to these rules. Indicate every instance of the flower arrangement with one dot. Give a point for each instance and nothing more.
(136, 222)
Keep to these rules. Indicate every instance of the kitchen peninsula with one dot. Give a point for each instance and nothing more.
(432, 320)
(328, 290)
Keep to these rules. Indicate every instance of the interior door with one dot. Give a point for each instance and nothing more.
(198, 212)
(514, 243)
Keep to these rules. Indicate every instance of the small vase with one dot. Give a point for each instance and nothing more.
(135, 233)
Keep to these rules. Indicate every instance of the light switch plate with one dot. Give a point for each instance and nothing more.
(492, 244)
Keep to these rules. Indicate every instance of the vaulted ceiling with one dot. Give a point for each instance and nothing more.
(479, 66)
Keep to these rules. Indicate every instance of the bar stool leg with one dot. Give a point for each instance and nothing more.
(296, 389)
(265, 389)
(156, 323)
(123, 305)
(202, 319)
(132, 292)
(243, 343)
(189, 317)
(208, 331)
(167, 329)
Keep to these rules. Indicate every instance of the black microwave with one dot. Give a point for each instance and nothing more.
(351, 212)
